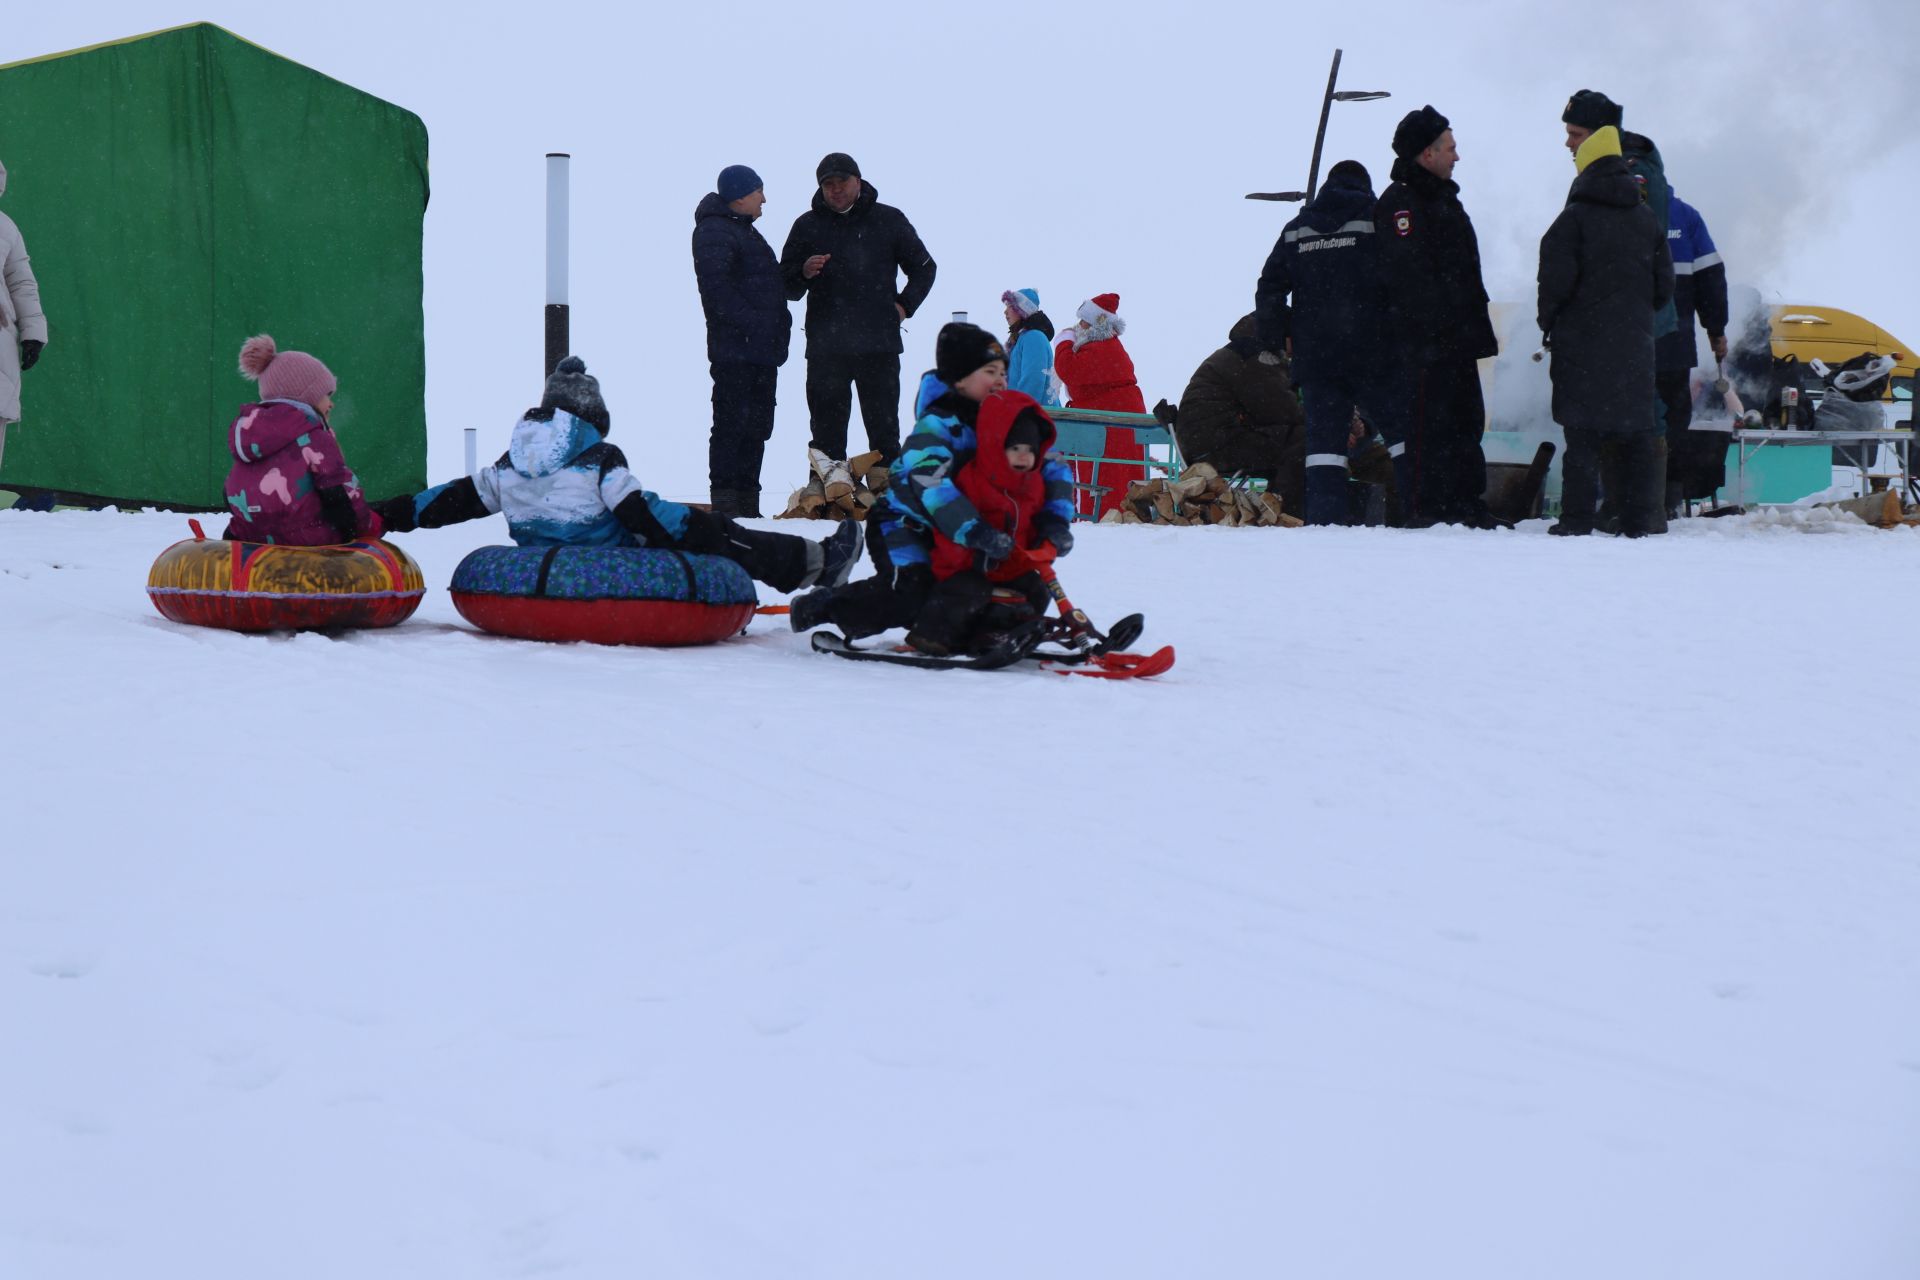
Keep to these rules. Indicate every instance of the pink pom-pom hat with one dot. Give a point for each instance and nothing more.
(285, 375)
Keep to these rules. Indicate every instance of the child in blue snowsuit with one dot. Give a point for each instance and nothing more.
(561, 484)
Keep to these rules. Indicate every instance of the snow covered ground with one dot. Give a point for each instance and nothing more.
(1476, 905)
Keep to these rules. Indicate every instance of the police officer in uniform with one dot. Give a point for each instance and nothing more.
(1437, 328)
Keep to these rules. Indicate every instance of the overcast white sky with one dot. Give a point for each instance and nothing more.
(1074, 149)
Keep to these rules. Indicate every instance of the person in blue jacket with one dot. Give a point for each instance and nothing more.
(1696, 460)
(1029, 347)
(1320, 299)
(969, 365)
(562, 484)
(748, 332)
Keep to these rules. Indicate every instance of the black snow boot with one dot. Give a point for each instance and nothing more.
(809, 610)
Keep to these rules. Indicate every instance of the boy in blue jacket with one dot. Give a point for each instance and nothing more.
(561, 484)
(969, 365)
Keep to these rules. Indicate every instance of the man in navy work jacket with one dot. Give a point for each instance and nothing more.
(748, 331)
(843, 256)
(1437, 328)
(1696, 460)
(1326, 261)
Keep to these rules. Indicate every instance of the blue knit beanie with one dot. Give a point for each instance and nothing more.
(737, 180)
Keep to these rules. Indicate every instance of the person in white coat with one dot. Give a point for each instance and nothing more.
(23, 327)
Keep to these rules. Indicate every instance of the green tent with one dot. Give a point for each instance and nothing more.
(179, 192)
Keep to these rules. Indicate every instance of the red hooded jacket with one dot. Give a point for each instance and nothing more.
(1007, 500)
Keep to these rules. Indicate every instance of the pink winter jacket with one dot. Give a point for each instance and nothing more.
(285, 457)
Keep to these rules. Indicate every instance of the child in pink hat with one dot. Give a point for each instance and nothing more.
(290, 483)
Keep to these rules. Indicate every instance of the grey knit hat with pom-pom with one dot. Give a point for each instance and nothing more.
(572, 388)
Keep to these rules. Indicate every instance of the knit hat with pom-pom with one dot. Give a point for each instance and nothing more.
(285, 375)
(572, 388)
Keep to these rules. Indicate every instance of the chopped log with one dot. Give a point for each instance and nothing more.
(1879, 509)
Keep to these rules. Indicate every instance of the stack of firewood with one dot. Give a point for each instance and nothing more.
(839, 490)
(1199, 495)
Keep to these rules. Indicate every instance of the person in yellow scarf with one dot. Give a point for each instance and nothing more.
(1604, 273)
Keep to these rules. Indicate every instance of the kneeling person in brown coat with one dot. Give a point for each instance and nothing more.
(1240, 413)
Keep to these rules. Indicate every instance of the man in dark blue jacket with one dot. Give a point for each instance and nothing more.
(1326, 260)
(748, 331)
(844, 256)
(1696, 460)
(1437, 330)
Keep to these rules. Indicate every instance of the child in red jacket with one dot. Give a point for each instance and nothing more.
(1098, 374)
(289, 483)
(1023, 527)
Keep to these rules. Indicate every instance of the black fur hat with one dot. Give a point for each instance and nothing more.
(1418, 130)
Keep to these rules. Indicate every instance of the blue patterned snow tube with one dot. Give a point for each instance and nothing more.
(603, 595)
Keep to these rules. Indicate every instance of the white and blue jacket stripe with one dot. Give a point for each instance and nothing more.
(559, 484)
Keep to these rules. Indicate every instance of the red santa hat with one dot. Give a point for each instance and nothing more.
(1101, 304)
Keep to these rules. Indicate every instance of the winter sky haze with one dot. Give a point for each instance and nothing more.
(1072, 149)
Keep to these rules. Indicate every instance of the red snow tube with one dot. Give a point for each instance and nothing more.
(603, 595)
(257, 586)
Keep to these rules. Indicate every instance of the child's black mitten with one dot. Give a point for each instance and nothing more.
(396, 514)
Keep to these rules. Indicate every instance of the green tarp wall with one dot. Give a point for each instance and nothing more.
(178, 193)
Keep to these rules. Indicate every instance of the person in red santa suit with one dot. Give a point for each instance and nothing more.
(1098, 374)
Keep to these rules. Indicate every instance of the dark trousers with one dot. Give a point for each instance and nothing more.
(1623, 464)
(873, 605)
(777, 559)
(964, 604)
(1434, 420)
(743, 398)
(831, 383)
(1330, 404)
(1696, 460)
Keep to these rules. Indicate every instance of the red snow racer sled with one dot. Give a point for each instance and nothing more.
(258, 586)
(603, 595)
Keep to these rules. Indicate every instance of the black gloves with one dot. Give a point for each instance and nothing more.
(396, 514)
(29, 352)
(337, 510)
(1057, 533)
(992, 545)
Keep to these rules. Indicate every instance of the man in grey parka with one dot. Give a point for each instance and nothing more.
(23, 328)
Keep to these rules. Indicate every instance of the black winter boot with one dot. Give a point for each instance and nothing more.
(809, 610)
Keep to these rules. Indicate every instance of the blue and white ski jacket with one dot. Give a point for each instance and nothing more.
(560, 484)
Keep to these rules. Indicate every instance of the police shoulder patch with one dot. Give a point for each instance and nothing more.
(1403, 222)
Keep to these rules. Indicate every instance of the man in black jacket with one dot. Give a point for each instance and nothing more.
(1437, 328)
(842, 256)
(1605, 272)
(748, 332)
